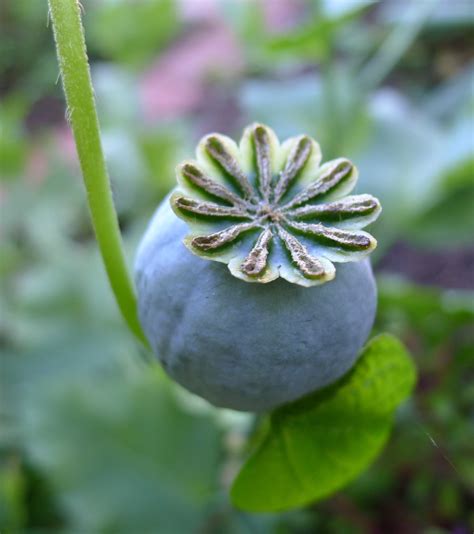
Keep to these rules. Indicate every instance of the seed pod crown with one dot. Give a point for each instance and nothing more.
(269, 209)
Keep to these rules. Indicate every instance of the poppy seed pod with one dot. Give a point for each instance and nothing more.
(282, 323)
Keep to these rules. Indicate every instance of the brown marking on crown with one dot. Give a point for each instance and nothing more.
(224, 237)
(295, 162)
(256, 261)
(330, 179)
(199, 179)
(217, 150)
(354, 206)
(197, 207)
(309, 266)
(262, 152)
(334, 237)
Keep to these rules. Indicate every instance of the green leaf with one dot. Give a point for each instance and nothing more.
(122, 454)
(315, 446)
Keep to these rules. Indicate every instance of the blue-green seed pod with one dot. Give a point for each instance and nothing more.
(279, 219)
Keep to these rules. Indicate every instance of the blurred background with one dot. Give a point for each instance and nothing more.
(95, 439)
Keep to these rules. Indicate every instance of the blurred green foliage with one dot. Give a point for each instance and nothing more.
(93, 438)
(128, 32)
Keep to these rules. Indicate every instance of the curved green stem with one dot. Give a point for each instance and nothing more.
(75, 74)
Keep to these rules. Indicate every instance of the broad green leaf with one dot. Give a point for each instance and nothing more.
(122, 455)
(315, 446)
